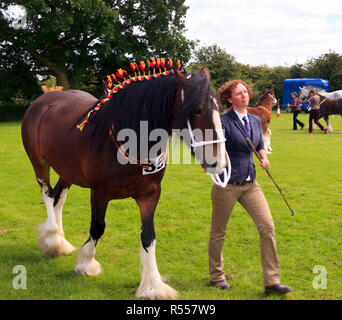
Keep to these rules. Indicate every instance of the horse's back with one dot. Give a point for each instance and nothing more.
(333, 95)
(62, 106)
(51, 114)
(55, 101)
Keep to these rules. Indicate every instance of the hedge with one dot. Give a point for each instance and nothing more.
(13, 111)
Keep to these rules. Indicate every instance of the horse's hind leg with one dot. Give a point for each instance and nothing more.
(329, 127)
(59, 194)
(151, 285)
(85, 261)
(51, 235)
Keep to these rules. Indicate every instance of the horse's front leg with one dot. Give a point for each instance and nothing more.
(85, 261)
(151, 285)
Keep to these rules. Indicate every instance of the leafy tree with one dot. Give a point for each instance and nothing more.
(296, 71)
(80, 41)
(222, 65)
(327, 66)
(16, 78)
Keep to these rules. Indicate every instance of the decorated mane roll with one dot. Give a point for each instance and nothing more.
(154, 69)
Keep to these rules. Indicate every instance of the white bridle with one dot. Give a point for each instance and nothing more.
(195, 144)
(274, 99)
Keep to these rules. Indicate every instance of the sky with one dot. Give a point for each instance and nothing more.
(271, 32)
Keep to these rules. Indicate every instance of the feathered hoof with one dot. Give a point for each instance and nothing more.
(88, 267)
(85, 261)
(53, 243)
(160, 291)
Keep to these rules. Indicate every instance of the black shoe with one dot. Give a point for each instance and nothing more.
(278, 288)
(223, 284)
(302, 127)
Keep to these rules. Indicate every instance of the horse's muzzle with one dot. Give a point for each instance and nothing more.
(222, 176)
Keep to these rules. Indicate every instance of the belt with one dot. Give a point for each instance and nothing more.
(240, 183)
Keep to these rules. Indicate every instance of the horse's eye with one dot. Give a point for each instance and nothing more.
(198, 112)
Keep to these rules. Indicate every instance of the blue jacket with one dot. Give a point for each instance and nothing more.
(238, 149)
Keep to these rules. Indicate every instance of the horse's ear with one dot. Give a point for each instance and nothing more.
(180, 77)
(206, 72)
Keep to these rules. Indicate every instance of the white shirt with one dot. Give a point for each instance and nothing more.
(241, 116)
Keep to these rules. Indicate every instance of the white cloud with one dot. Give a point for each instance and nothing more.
(272, 32)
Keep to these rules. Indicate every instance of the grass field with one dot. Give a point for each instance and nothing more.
(308, 168)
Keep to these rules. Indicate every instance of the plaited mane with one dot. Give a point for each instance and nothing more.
(154, 69)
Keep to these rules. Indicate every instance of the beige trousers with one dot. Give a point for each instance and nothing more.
(253, 200)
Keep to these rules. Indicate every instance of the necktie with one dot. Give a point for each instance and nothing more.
(247, 127)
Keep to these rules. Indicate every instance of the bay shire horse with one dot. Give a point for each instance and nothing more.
(90, 156)
(329, 107)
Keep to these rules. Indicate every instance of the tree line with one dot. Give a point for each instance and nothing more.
(76, 43)
(224, 66)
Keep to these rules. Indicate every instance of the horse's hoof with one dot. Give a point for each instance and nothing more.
(68, 248)
(53, 242)
(88, 267)
(160, 291)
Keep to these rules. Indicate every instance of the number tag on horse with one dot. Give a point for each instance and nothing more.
(155, 165)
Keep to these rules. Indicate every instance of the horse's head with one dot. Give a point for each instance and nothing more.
(267, 99)
(198, 114)
(271, 95)
(304, 93)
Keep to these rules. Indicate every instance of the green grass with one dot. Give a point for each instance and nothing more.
(308, 168)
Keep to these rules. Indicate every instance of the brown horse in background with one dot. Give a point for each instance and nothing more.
(329, 107)
(263, 109)
(92, 158)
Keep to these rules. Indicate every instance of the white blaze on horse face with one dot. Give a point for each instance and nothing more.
(221, 147)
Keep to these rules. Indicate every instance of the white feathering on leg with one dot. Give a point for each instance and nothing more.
(68, 248)
(85, 261)
(50, 234)
(49, 237)
(151, 285)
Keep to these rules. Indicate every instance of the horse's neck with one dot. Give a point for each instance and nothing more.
(266, 106)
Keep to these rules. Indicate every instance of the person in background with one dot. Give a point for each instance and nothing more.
(297, 109)
(315, 101)
(238, 124)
